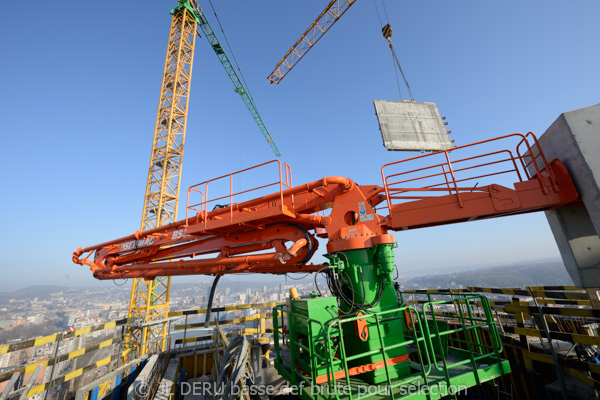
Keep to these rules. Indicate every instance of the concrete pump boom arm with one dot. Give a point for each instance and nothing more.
(252, 236)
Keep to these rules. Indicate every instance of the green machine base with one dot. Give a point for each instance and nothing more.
(367, 342)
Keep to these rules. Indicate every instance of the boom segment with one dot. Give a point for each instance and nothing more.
(239, 235)
(329, 16)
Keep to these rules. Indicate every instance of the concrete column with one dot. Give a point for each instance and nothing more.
(574, 138)
(594, 299)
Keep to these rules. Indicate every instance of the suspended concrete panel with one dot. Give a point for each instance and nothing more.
(411, 126)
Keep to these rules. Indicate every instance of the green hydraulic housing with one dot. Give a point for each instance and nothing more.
(367, 336)
(367, 287)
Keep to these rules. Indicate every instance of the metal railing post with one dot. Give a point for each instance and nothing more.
(55, 353)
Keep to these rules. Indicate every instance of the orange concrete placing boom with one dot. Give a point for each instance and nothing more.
(251, 235)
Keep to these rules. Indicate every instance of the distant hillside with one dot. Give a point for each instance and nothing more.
(39, 290)
(42, 292)
(527, 274)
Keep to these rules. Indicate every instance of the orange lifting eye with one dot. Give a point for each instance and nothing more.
(361, 327)
(409, 320)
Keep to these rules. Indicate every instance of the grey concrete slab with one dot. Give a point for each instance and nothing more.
(411, 126)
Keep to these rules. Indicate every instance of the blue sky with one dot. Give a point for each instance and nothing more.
(81, 85)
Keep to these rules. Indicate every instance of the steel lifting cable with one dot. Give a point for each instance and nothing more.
(397, 80)
(400, 67)
(386, 30)
(243, 80)
(231, 50)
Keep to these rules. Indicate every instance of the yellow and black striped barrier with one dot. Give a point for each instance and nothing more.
(435, 291)
(195, 339)
(68, 356)
(565, 362)
(571, 288)
(571, 312)
(565, 295)
(564, 336)
(52, 338)
(223, 309)
(506, 291)
(565, 302)
(212, 337)
(77, 373)
(560, 295)
(550, 292)
(584, 379)
(223, 322)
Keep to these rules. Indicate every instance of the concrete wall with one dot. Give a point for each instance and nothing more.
(574, 138)
(146, 383)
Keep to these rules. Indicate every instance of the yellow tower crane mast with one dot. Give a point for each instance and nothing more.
(149, 300)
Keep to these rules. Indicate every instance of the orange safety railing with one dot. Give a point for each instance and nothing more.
(445, 176)
(534, 154)
(285, 181)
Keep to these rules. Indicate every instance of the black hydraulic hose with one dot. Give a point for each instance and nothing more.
(210, 300)
(234, 361)
(309, 243)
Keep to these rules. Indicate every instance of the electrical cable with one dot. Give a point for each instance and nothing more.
(297, 279)
(364, 306)
(373, 206)
(339, 288)
(317, 285)
(351, 301)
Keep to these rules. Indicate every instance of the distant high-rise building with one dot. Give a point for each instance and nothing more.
(265, 289)
(281, 287)
(227, 291)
